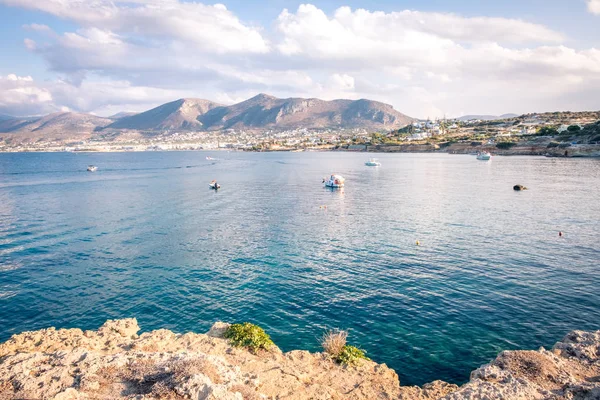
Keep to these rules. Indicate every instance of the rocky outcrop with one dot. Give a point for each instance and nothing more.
(116, 362)
(571, 370)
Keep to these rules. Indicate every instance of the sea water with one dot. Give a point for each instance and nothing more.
(145, 237)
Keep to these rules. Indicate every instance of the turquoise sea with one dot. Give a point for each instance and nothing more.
(144, 237)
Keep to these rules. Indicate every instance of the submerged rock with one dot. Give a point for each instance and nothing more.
(116, 362)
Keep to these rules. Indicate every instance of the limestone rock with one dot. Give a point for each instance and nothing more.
(218, 329)
(114, 362)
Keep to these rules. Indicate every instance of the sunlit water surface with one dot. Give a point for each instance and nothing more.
(144, 237)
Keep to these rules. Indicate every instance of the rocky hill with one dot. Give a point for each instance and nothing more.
(122, 114)
(264, 111)
(179, 114)
(116, 362)
(61, 126)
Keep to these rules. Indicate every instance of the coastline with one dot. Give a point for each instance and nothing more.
(519, 149)
(116, 362)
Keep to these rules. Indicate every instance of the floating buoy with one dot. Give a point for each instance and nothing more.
(418, 243)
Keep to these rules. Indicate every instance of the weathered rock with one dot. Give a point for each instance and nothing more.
(218, 329)
(114, 362)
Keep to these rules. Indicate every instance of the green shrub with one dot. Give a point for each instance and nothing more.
(351, 355)
(248, 335)
(574, 128)
(505, 145)
(547, 131)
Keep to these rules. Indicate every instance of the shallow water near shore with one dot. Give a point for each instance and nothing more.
(144, 237)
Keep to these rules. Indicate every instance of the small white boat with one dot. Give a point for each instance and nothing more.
(209, 158)
(334, 181)
(92, 168)
(484, 155)
(214, 185)
(373, 163)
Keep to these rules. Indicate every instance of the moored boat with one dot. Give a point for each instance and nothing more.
(92, 168)
(214, 185)
(373, 163)
(334, 181)
(484, 155)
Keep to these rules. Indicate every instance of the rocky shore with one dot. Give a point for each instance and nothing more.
(116, 362)
(541, 147)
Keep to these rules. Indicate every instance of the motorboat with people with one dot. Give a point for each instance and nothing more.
(214, 185)
(334, 181)
(92, 168)
(373, 163)
(484, 155)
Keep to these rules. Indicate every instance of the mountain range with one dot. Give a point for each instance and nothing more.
(190, 114)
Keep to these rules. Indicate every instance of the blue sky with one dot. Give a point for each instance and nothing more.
(426, 58)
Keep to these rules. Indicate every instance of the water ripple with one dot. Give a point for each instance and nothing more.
(145, 237)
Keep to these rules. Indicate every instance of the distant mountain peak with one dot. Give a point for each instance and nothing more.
(263, 96)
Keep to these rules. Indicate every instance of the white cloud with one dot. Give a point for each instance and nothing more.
(342, 81)
(204, 27)
(30, 44)
(140, 53)
(594, 6)
(37, 27)
(20, 96)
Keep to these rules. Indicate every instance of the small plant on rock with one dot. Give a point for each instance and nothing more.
(248, 335)
(334, 344)
(351, 355)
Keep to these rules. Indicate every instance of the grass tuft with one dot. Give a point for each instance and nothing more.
(250, 336)
(333, 342)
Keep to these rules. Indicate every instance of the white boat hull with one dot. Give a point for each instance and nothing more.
(370, 164)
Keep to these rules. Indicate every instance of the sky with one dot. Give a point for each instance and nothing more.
(428, 58)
